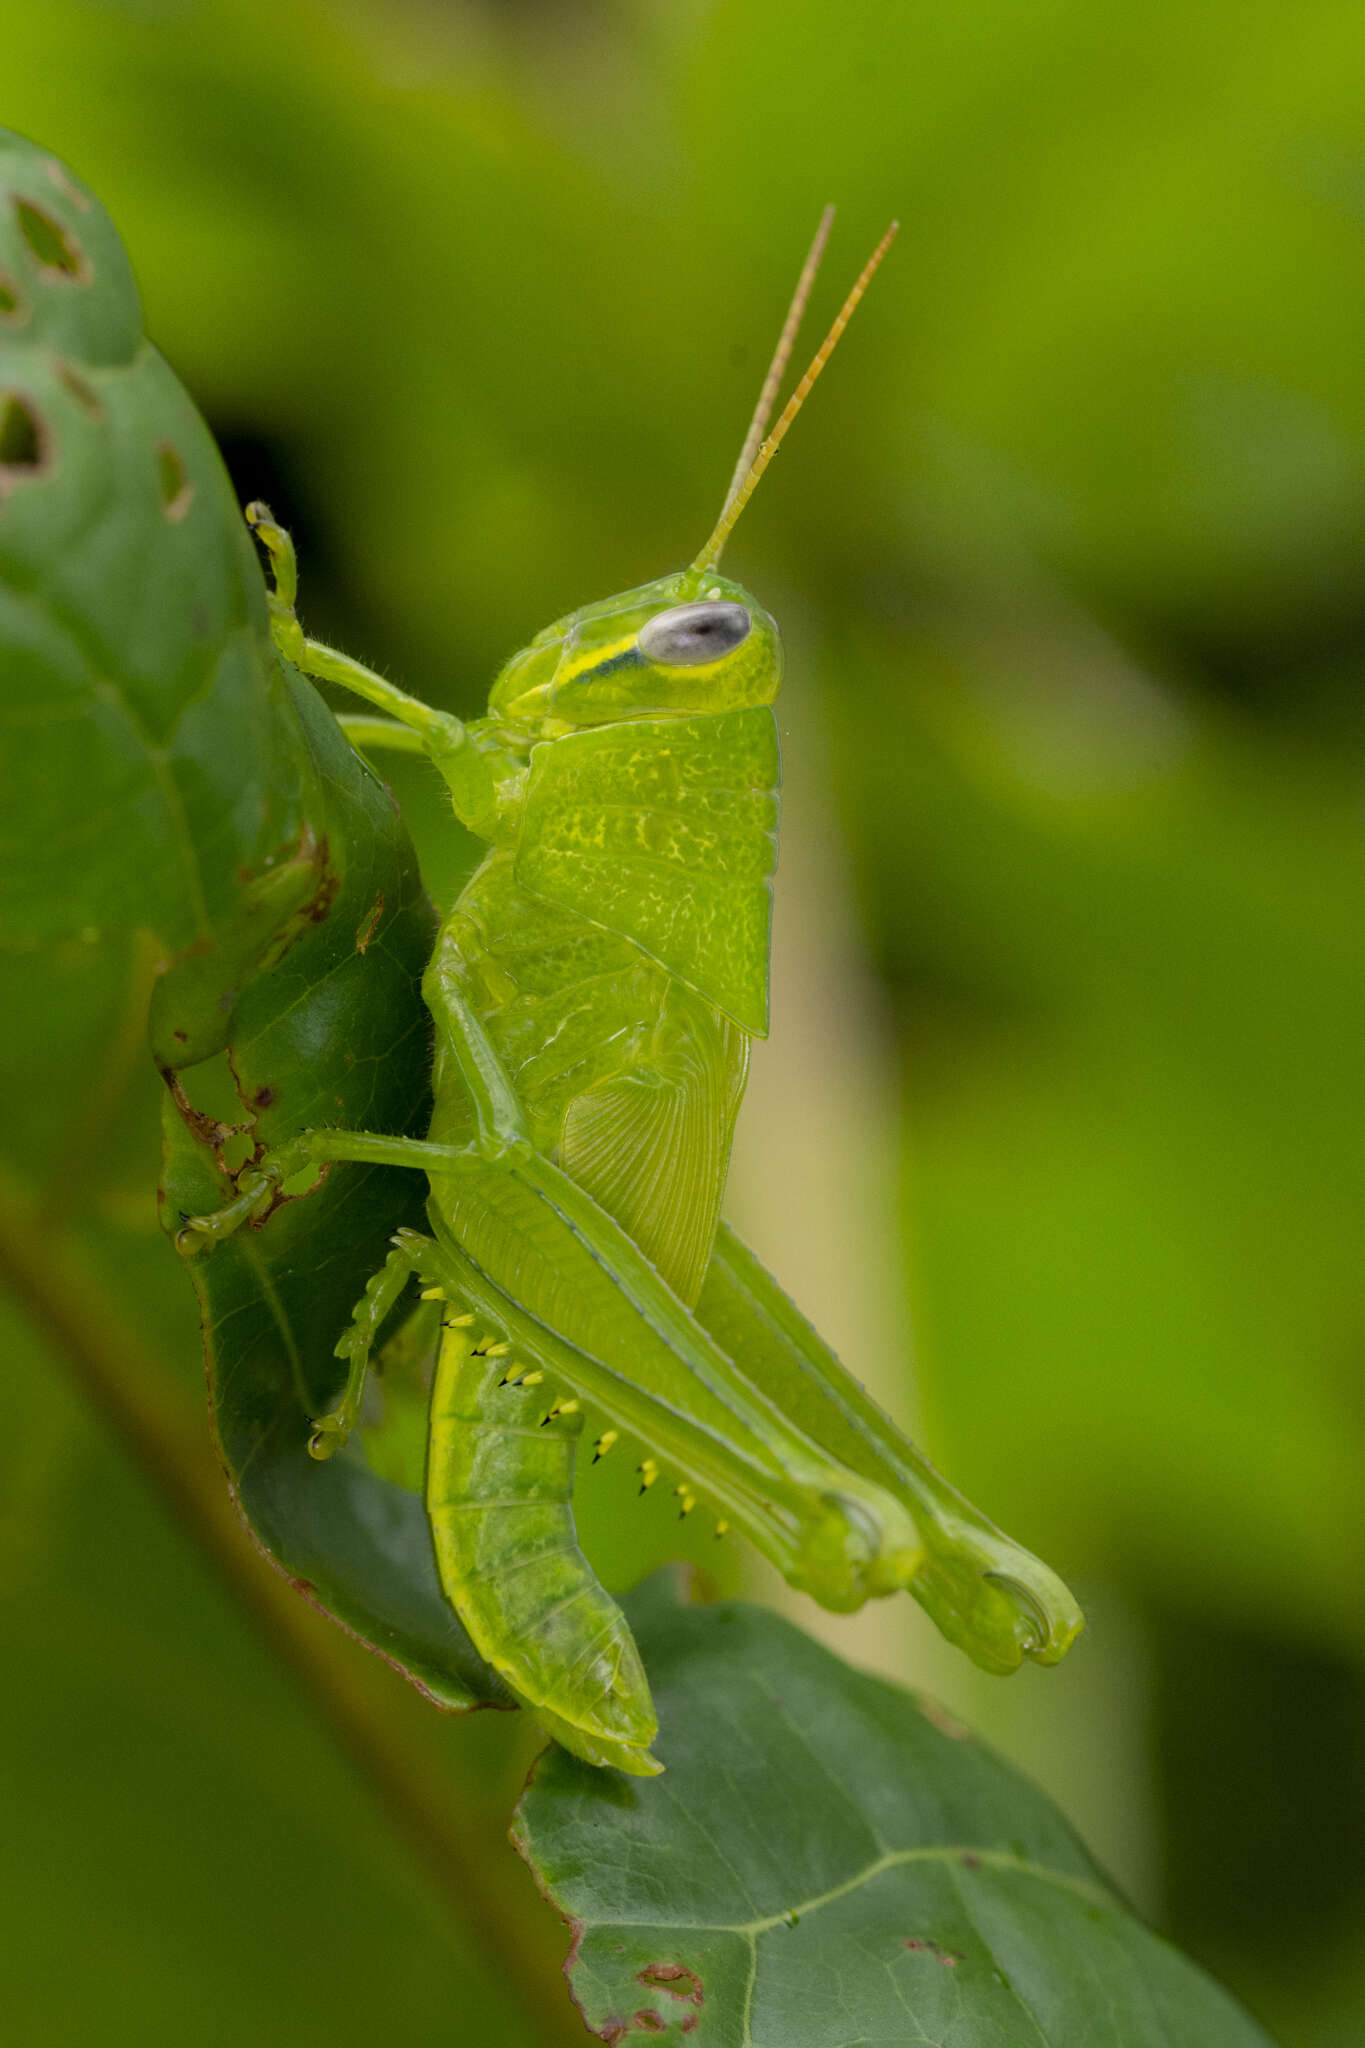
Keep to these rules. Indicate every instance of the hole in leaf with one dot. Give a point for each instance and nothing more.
(52, 248)
(22, 450)
(177, 492)
(86, 397)
(13, 305)
(674, 1978)
(237, 1150)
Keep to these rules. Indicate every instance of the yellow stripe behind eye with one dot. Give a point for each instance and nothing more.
(573, 667)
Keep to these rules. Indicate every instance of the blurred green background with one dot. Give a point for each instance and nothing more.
(1059, 1130)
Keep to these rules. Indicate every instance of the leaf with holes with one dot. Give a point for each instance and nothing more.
(185, 830)
(826, 1864)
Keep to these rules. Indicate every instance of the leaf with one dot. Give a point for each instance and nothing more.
(139, 755)
(336, 1033)
(176, 798)
(143, 761)
(827, 1864)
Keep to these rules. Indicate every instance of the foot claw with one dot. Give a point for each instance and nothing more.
(329, 1436)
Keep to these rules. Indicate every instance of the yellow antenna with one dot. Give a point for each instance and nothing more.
(740, 492)
(777, 368)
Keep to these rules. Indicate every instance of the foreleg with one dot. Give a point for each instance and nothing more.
(441, 736)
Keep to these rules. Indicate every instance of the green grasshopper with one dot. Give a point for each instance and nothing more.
(594, 991)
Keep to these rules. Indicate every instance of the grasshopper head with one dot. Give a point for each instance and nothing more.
(690, 642)
(693, 642)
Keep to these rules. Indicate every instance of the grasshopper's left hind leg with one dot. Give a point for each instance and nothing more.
(984, 1591)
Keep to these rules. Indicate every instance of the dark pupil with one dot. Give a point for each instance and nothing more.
(694, 633)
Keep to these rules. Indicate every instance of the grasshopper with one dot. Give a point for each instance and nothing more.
(594, 991)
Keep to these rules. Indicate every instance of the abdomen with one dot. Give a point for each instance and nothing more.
(498, 1489)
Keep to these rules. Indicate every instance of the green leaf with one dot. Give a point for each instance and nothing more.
(335, 1033)
(142, 764)
(177, 799)
(826, 1864)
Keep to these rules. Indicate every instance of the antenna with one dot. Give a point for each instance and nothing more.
(777, 368)
(743, 486)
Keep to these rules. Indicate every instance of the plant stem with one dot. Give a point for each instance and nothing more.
(133, 1391)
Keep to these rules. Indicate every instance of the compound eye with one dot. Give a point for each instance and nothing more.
(693, 633)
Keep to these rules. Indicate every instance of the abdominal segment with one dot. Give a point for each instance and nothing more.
(499, 1480)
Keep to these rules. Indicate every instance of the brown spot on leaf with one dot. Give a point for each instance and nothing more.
(970, 1862)
(674, 1978)
(368, 926)
(949, 1957)
(85, 395)
(946, 1723)
(647, 2021)
(329, 881)
(173, 484)
(263, 1098)
(206, 1128)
